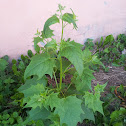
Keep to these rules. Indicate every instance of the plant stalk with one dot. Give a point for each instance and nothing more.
(62, 32)
(61, 76)
(55, 80)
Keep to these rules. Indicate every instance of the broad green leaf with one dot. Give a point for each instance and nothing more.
(73, 54)
(70, 18)
(83, 82)
(69, 110)
(77, 45)
(3, 64)
(37, 114)
(47, 32)
(52, 100)
(34, 89)
(33, 81)
(40, 65)
(88, 114)
(35, 101)
(93, 102)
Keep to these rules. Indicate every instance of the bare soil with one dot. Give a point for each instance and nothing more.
(114, 77)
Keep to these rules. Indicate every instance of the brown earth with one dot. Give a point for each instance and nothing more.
(115, 77)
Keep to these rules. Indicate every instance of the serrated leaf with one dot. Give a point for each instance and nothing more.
(47, 32)
(3, 64)
(69, 110)
(34, 89)
(88, 114)
(70, 18)
(33, 81)
(93, 102)
(83, 82)
(74, 55)
(40, 65)
(100, 88)
(35, 101)
(52, 100)
(37, 114)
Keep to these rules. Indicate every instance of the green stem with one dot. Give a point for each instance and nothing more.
(68, 87)
(55, 80)
(62, 32)
(61, 76)
(68, 69)
(63, 94)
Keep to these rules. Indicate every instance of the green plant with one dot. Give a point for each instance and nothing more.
(11, 78)
(52, 99)
(110, 50)
(89, 44)
(114, 109)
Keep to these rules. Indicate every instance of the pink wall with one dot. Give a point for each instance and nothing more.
(19, 20)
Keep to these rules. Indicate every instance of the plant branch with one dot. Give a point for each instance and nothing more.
(67, 68)
(55, 80)
(61, 76)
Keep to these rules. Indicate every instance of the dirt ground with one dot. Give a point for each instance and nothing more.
(115, 77)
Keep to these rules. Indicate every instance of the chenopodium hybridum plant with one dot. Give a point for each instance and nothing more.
(61, 104)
